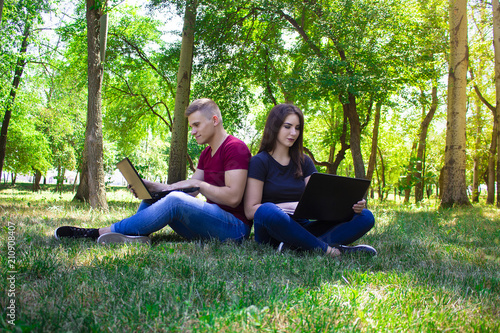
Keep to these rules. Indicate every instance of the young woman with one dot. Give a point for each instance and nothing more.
(277, 176)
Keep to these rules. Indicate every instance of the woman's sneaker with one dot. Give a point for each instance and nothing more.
(74, 232)
(114, 237)
(367, 249)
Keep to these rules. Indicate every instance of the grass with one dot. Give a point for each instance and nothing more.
(437, 270)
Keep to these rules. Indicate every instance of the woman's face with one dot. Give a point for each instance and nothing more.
(289, 131)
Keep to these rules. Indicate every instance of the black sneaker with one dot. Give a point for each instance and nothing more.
(367, 249)
(74, 232)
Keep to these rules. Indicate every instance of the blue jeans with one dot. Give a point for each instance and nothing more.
(189, 217)
(272, 226)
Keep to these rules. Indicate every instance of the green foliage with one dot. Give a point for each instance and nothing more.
(249, 56)
(27, 149)
(139, 81)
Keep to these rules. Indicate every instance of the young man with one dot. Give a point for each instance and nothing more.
(221, 177)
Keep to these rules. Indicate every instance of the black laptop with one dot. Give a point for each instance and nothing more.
(132, 176)
(330, 197)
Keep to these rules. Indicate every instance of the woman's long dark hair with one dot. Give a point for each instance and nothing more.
(274, 121)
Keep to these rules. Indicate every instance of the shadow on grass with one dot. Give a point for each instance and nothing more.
(451, 249)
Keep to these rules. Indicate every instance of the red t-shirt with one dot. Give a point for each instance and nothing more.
(233, 154)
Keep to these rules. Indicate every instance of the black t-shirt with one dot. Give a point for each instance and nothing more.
(280, 184)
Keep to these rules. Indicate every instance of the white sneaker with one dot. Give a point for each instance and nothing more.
(280, 247)
(114, 237)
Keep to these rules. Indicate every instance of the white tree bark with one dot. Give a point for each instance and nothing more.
(455, 188)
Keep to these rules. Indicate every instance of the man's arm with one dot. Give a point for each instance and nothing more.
(160, 187)
(229, 195)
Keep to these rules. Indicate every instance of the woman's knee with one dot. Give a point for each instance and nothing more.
(367, 219)
(270, 216)
(265, 212)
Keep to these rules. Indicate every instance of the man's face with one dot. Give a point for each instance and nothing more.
(202, 129)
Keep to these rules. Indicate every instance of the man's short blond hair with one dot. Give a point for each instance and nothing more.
(206, 106)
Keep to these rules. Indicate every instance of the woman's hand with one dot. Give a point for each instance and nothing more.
(359, 206)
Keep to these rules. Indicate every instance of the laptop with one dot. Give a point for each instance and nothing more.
(132, 176)
(330, 197)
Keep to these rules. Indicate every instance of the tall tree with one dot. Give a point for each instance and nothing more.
(20, 24)
(422, 143)
(480, 42)
(478, 126)
(178, 153)
(92, 175)
(347, 44)
(373, 152)
(455, 189)
(496, 44)
(21, 63)
(490, 178)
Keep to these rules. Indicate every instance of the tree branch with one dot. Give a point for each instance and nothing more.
(144, 57)
(481, 97)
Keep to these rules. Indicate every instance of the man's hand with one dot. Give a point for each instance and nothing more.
(359, 206)
(154, 186)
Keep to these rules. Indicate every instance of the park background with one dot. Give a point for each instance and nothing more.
(373, 80)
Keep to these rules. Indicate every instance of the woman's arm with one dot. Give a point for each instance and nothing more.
(253, 197)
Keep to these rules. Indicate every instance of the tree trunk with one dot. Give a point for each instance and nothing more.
(75, 182)
(410, 173)
(477, 146)
(424, 127)
(373, 153)
(178, 152)
(355, 138)
(21, 62)
(343, 148)
(60, 178)
(491, 175)
(82, 192)
(1, 9)
(490, 199)
(93, 146)
(454, 184)
(496, 45)
(382, 166)
(36, 183)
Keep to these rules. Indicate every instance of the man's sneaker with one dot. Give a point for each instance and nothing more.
(114, 237)
(367, 249)
(74, 232)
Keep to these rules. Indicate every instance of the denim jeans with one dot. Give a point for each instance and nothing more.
(189, 217)
(272, 226)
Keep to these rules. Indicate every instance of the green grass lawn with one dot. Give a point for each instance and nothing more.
(437, 270)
